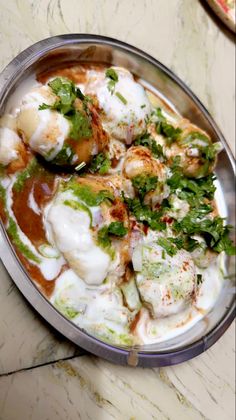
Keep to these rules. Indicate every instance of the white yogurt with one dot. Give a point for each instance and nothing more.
(124, 116)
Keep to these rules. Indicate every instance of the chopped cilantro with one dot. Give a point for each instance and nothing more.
(169, 247)
(66, 93)
(144, 214)
(194, 191)
(192, 139)
(215, 233)
(81, 126)
(121, 98)
(117, 229)
(167, 130)
(185, 242)
(111, 74)
(100, 163)
(113, 79)
(206, 149)
(147, 141)
(172, 245)
(144, 183)
(103, 237)
(64, 157)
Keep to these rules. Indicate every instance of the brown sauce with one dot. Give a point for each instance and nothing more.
(45, 286)
(30, 223)
(76, 73)
(3, 215)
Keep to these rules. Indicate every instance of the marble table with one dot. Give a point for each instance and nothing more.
(42, 375)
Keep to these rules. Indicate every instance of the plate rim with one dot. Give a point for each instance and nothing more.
(115, 354)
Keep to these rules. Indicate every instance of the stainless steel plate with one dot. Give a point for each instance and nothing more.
(58, 51)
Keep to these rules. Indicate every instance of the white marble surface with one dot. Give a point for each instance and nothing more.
(185, 37)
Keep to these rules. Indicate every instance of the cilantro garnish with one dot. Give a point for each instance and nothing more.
(193, 138)
(113, 79)
(169, 247)
(67, 93)
(144, 183)
(185, 242)
(147, 141)
(105, 233)
(81, 126)
(194, 191)
(121, 98)
(100, 163)
(64, 157)
(144, 214)
(167, 130)
(214, 232)
(172, 245)
(206, 149)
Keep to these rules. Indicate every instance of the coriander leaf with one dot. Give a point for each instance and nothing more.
(113, 79)
(167, 130)
(66, 93)
(144, 183)
(193, 139)
(185, 242)
(121, 98)
(64, 157)
(111, 74)
(103, 235)
(144, 214)
(80, 126)
(104, 240)
(225, 244)
(100, 163)
(44, 106)
(206, 149)
(117, 228)
(169, 247)
(194, 191)
(214, 232)
(147, 141)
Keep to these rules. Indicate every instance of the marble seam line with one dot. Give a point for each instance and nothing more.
(52, 362)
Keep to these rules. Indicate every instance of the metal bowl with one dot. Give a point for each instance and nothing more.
(61, 50)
